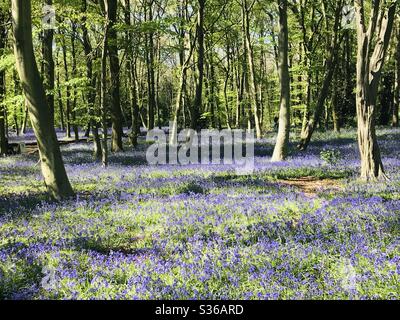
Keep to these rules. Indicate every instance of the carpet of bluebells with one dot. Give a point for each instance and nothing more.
(202, 232)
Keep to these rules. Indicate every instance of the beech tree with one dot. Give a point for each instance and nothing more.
(195, 110)
(52, 165)
(373, 39)
(3, 39)
(282, 142)
(112, 43)
(48, 63)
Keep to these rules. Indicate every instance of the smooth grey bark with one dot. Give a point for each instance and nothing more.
(3, 138)
(59, 94)
(181, 89)
(150, 65)
(282, 142)
(115, 107)
(3, 36)
(74, 91)
(52, 165)
(225, 90)
(67, 88)
(103, 88)
(26, 116)
(197, 106)
(131, 75)
(48, 63)
(373, 41)
(254, 99)
(92, 78)
(395, 117)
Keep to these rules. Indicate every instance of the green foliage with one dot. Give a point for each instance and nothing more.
(7, 61)
(330, 156)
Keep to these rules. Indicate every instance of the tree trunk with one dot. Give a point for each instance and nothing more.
(59, 95)
(53, 169)
(151, 92)
(3, 138)
(181, 89)
(369, 69)
(17, 92)
(103, 89)
(3, 36)
(336, 106)
(48, 64)
(255, 102)
(67, 88)
(74, 92)
(26, 116)
(395, 117)
(115, 110)
(282, 143)
(91, 92)
(330, 68)
(198, 101)
(131, 75)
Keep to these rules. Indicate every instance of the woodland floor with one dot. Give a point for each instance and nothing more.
(304, 229)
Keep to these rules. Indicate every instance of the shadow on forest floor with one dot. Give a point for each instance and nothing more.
(22, 203)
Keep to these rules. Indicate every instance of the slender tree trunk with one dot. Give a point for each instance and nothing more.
(255, 102)
(115, 110)
(395, 117)
(227, 111)
(198, 101)
(179, 98)
(131, 75)
(157, 83)
(212, 83)
(59, 94)
(53, 169)
(67, 89)
(246, 112)
(335, 106)
(17, 92)
(103, 88)
(3, 138)
(282, 142)
(3, 37)
(74, 92)
(26, 116)
(331, 63)
(91, 92)
(151, 94)
(48, 63)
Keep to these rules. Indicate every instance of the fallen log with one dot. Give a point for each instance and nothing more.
(32, 146)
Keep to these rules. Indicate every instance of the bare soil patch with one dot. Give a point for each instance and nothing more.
(312, 186)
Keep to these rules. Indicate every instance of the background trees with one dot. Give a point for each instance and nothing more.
(201, 64)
